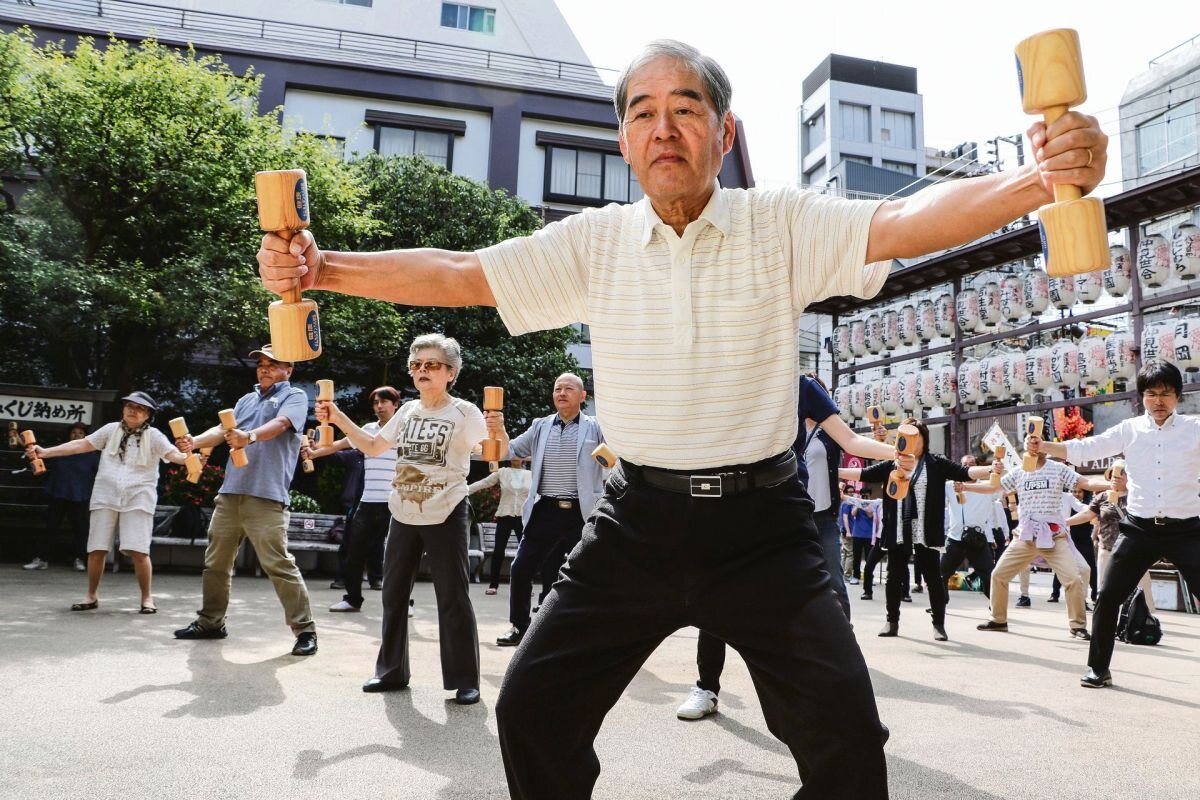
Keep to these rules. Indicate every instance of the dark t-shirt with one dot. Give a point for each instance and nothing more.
(815, 404)
(72, 477)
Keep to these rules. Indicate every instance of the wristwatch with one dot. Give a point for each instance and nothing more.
(253, 437)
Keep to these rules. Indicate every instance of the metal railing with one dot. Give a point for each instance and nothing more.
(234, 29)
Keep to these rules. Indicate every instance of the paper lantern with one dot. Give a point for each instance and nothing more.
(943, 314)
(910, 398)
(1165, 331)
(874, 333)
(858, 400)
(893, 392)
(967, 310)
(1118, 356)
(908, 324)
(991, 378)
(841, 398)
(1185, 252)
(1062, 292)
(891, 329)
(1064, 364)
(1150, 351)
(841, 343)
(968, 382)
(1038, 369)
(858, 338)
(927, 393)
(1187, 344)
(1037, 291)
(1118, 278)
(989, 299)
(1012, 298)
(1093, 361)
(1154, 261)
(926, 321)
(1016, 383)
(1089, 286)
(947, 386)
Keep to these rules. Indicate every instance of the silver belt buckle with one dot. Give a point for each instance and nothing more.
(705, 485)
(565, 504)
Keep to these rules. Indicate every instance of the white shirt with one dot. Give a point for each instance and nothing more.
(129, 484)
(815, 458)
(693, 337)
(378, 471)
(1163, 463)
(1040, 493)
(980, 509)
(514, 489)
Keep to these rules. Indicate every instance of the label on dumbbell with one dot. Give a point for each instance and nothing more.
(301, 195)
(1045, 248)
(1020, 79)
(312, 331)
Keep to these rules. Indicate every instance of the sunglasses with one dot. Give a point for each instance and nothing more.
(428, 366)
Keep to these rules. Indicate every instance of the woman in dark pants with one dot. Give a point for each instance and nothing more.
(434, 437)
(917, 529)
(1081, 537)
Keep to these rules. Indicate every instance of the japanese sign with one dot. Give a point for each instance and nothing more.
(45, 409)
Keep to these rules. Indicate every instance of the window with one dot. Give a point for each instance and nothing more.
(856, 122)
(409, 134)
(468, 18)
(363, 3)
(900, 166)
(1167, 138)
(857, 159)
(897, 128)
(814, 131)
(585, 171)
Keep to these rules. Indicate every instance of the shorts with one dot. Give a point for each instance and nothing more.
(133, 528)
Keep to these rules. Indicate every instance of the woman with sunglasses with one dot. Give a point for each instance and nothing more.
(434, 437)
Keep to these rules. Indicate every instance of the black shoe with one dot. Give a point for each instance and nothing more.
(512, 638)
(337, 585)
(377, 586)
(1095, 681)
(907, 598)
(890, 629)
(992, 625)
(196, 631)
(918, 589)
(867, 595)
(939, 633)
(1052, 598)
(1024, 602)
(377, 685)
(1081, 633)
(466, 697)
(306, 644)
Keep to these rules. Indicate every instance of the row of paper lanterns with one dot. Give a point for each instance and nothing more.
(1010, 298)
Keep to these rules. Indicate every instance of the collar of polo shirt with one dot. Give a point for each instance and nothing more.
(716, 212)
(558, 420)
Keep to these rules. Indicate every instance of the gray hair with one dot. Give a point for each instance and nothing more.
(716, 82)
(451, 350)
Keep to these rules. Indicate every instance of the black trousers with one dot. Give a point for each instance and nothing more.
(747, 568)
(551, 533)
(874, 556)
(860, 550)
(505, 528)
(366, 533)
(925, 563)
(373, 558)
(980, 559)
(77, 515)
(1087, 548)
(458, 636)
(1140, 544)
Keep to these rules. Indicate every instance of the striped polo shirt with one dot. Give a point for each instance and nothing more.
(695, 338)
(378, 471)
(559, 462)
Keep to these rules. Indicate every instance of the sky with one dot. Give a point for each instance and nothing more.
(963, 53)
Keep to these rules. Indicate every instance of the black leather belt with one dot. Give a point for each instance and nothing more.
(1146, 522)
(723, 481)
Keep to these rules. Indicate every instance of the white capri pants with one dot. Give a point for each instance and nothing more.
(132, 528)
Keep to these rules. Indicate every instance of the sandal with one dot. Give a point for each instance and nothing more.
(92, 606)
(148, 610)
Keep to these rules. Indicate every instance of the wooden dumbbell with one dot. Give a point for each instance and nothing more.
(493, 400)
(1074, 230)
(179, 430)
(14, 436)
(307, 441)
(237, 455)
(325, 430)
(604, 456)
(1115, 471)
(36, 464)
(908, 442)
(960, 497)
(999, 456)
(1033, 427)
(875, 415)
(283, 210)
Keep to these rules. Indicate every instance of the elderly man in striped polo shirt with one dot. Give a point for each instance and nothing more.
(694, 296)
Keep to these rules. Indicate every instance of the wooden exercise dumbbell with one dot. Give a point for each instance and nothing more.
(283, 210)
(1115, 471)
(908, 442)
(179, 430)
(36, 464)
(14, 436)
(1033, 427)
(1074, 230)
(493, 400)
(325, 430)
(306, 443)
(875, 415)
(998, 456)
(604, 456)
(237, 455)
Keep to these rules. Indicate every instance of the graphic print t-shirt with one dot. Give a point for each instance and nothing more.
(433, 456)
(1040, 492)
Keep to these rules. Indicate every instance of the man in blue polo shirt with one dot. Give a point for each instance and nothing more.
(253, 502)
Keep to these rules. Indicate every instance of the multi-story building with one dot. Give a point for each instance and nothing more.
(1160, 117)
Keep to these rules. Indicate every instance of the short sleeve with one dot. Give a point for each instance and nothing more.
(1070, 478)
(99, 438)
(1009, 482)
(815, 402)
(390, 432)
(1097, 500)
(540, 282)
(475, 427)
(160, 445)
(828, 242)
(294, 408)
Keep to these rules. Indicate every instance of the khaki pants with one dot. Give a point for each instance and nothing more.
(1018, 556)
(264, 523)
(1103, 557)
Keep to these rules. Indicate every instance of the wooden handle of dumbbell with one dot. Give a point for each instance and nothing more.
(962, 498)
(1118, 469)
(1034, 427)
(37, 464)
(292, 295)
(306, 442)
(999, 456)
(236, 454)
(179, 430)
(493, 400)
(604, 456)
(325, 430)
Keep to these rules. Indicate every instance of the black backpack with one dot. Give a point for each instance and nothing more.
(1136, 624)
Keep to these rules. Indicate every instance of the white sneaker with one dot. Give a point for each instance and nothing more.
(37, 563)
(80, 566)
(342, 605)
(700, 703)
(412, 612)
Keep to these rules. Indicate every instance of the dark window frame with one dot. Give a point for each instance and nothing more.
(563, 141)
(451, 128)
